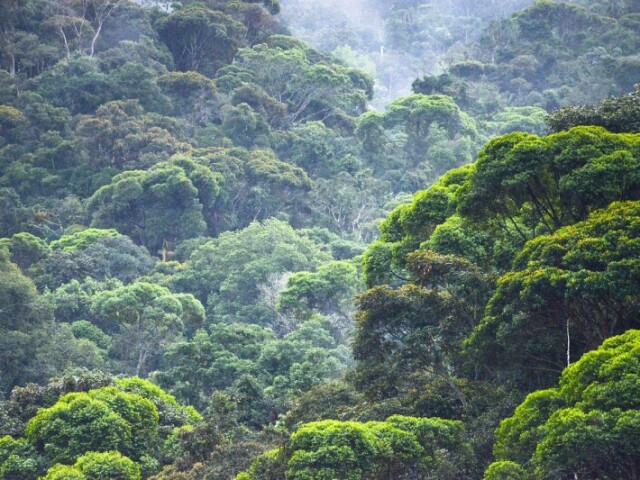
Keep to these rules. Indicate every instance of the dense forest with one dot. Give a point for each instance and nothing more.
(319, 240)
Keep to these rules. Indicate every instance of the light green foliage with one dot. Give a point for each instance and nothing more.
(262, 373)
(239, 274)
(87, 330)
(142, 318)
(97, 466)
(170, 411)
(72, 301)
(78, 424)
(25, 249)
(82, 239)
(528, 185)
(519, 119)
(411, 224)
(572, 289)
(331, 449)
(519, 435)
(505, 470)
(64, 472)
(18, 459)
(457, 236)
(132, 418)
(588, 424)
(327, 291)
(352, 58)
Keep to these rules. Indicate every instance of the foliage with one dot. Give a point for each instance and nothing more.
(587, 426)
(260, 372)
(93, 427)
(167, 202)
(615, 114)
(566, 294)
(530, 186)
(23, 320)
(237, 274)
(142, 318)
(97, 466)
(353, 450)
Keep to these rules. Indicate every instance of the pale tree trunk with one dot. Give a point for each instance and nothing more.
(142, 358)
(66, 43)
(568, 345)
(95, 38)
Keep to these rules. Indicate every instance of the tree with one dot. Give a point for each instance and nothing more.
(171, 201)
(416, 331)
(79, 423)
(14, 215)
(18, 459)
(589, 429)
(24, 317)
(97, 466)
(331, 449)
(256, 185)
(200, 38)
(102, 255)
(311, 90)
(524, 185)
(25, 249)
(615, 114)
(227, 273)
(409, 225)
(94, 427)
(328, 291)
(567, 293)
(142, 319)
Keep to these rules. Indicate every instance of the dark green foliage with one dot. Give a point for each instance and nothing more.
(200, 38)
(256, 168)
(95, 254)
(142, 318)
(621, 114)
(418, 327)
(260, 372)
(167, 202)
(23, 319)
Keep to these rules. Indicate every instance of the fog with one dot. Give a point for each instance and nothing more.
(395, 41)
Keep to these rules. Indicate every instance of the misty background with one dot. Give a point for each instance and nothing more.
(395, 42)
